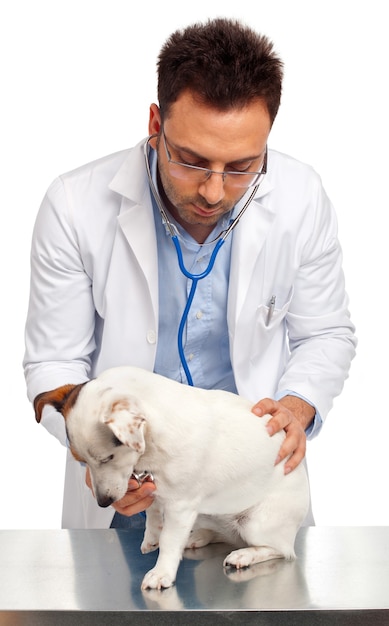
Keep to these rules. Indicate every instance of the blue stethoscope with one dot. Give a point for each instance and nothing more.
(193, 277)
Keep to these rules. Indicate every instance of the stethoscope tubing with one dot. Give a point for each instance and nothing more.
(193, 277)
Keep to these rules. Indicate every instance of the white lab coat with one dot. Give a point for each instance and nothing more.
(94, 292)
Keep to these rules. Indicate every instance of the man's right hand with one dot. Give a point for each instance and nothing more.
(137, 498)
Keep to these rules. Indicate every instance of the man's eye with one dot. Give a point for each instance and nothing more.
(240, 168)
(191, 163)
(190, 160)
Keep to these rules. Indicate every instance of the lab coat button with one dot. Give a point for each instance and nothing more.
(199, 315)
(151, 336)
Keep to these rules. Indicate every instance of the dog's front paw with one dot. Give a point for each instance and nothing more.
(155, 579)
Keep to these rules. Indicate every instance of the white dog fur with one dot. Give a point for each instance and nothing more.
(212, 460)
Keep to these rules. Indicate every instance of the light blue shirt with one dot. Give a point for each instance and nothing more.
(205, 339)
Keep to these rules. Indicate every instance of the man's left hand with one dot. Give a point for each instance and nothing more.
(292, 415)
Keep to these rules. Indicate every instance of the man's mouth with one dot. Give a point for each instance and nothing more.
(206, 212)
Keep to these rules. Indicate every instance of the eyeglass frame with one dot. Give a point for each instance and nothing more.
(259, 175)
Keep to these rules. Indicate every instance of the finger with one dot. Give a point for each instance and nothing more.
(294, 460)
(136, 483)
(266, 405)
(133, 509)
(293, 449)
(133, 485)
(280, 421)
(139, 492)
(136, 500)
(281, 417)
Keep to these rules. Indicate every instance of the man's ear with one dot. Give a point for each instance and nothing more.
(155, 122)
(127, 423)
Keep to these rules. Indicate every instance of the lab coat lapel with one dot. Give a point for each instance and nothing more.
(136, 217)
(137, 224)
(249, 238)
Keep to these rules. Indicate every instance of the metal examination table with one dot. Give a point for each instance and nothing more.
(83, 577)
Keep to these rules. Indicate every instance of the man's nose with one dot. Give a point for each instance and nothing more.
(212, 189)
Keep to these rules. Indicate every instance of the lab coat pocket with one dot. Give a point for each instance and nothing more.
(272, 313)
(269, 324)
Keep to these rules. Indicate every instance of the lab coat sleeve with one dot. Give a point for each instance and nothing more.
(61, 316)
(321, 336)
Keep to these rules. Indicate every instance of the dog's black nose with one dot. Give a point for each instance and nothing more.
(104, 501)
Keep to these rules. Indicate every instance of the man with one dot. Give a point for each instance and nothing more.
(123, 259)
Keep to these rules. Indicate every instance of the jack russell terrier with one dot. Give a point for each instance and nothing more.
(211, 458)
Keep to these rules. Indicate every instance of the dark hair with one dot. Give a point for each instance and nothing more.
(224, 63)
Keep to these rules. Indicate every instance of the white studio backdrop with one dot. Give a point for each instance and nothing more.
(77, 80)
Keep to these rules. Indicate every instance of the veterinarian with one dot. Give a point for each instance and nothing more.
(201, 253)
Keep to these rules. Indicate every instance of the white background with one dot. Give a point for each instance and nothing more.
(77, 79)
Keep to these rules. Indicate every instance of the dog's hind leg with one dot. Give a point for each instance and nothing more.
(214, 529)
(269, 528)
(268, 533)
(201, 537)
(244, 557)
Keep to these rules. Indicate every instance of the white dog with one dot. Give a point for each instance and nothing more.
(211, 458)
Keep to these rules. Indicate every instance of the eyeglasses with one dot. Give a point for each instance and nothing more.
(185, 171)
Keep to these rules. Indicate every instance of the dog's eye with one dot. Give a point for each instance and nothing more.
(109, 458)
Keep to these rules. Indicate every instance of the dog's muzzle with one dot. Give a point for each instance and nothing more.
(140, 477)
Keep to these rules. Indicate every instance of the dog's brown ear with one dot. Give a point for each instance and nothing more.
(127, 422)
(61, 398)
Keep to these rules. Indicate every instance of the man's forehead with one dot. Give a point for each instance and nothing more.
(214, 135)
